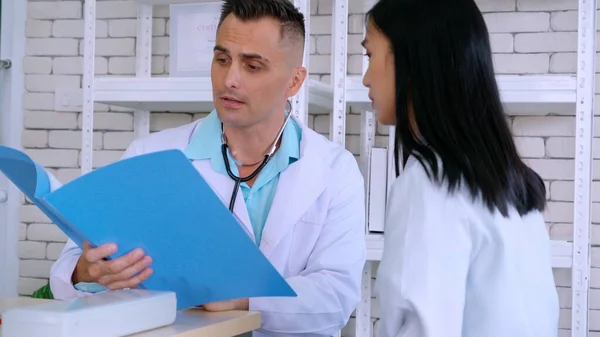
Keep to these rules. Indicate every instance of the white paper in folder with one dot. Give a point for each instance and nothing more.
(378, 188)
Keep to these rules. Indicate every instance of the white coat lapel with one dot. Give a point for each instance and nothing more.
(298, 188)
(223, 187)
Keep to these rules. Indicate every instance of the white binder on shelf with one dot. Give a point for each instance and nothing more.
(378, 177)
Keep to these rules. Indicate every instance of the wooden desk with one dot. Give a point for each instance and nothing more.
(189, 323)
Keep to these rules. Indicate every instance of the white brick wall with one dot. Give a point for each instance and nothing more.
(528, 37)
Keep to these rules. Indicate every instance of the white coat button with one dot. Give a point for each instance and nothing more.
(3, 196)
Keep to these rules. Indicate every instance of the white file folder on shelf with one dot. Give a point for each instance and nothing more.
(378, 189)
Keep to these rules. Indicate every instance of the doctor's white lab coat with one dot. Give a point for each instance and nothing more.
(452, 268)
(314, 235)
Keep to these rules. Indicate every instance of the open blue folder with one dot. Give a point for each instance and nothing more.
(161, 203)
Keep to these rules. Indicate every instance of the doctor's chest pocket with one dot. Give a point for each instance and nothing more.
(303, 238)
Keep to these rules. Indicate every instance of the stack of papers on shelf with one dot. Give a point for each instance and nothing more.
(158, 202)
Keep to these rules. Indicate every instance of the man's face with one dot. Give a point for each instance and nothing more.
(252, 72)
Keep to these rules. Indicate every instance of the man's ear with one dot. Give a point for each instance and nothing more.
(299, 75)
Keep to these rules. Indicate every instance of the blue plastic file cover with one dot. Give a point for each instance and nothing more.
(28, 176)
(159, 202)
(32, 180)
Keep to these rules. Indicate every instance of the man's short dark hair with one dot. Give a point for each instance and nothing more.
(284, 11)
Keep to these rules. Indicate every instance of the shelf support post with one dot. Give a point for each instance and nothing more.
(143, 65)
(363, 311)
(364, 325)
(339, 60)
(87, 118)
(580, 272)
(300, 100)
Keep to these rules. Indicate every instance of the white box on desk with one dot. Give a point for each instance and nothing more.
(193, 37)
(111, 313)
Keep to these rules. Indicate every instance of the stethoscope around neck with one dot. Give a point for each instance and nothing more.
(238, 180)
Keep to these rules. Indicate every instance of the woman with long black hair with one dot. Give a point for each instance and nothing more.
(467, 253)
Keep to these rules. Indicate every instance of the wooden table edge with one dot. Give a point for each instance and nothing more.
(248, 322)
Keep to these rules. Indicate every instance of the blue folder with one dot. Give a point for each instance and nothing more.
(161, 203)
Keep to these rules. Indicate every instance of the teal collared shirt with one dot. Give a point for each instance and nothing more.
(205, 143)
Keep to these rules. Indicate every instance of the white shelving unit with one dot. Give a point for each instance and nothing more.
(531, 95)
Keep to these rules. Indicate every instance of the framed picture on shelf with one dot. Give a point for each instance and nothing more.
(193, 33)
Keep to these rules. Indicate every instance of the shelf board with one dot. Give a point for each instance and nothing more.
(170, 2)
(521, 94)
(180, 94)
(562, 251)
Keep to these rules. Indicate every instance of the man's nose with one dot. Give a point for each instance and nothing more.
(233, 77)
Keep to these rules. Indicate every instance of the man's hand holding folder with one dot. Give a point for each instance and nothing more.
(238, 304)
(127, 271)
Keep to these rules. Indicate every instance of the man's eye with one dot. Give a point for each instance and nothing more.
(253, 67)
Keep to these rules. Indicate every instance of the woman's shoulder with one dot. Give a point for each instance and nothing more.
(415, 191)
(420, 207)
(414, 188)
(416, 181)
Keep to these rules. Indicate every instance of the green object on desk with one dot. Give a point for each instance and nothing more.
(44, 292)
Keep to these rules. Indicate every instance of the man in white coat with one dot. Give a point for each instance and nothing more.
(305, 209)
